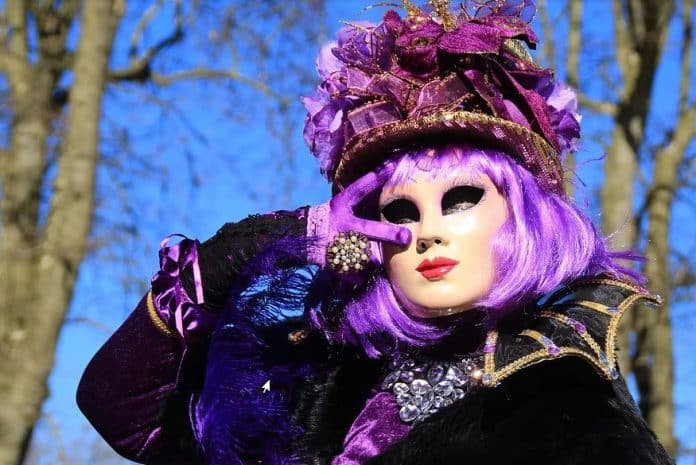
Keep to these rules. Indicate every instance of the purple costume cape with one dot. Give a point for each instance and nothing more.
(127, 385)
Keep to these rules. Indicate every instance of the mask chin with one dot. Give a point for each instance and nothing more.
(419, 311)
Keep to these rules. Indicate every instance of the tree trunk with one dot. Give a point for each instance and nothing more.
(653, 363)
(640, 31)
(39, 272)
(617, 214)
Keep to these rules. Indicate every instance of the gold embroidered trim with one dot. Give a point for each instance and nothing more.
(444, 13)
(489, 358)
(538, 356)
(589, 340)
(155, 318)
(543, 156)
(517, 48)
(540, 338)
(604, 361)
(597, 307)
(410, 8)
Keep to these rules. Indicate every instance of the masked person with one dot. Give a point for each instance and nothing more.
(449, 304)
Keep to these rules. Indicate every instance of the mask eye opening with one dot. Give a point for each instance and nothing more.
(460, 198)
(400, 211)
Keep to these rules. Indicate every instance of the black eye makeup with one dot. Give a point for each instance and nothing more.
(460, 198)
(401, 211)
(456, 199)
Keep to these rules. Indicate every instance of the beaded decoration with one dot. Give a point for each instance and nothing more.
(348, 252)
(424, 389)
(570, 323)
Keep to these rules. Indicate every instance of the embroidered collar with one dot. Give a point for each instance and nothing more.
(581, 319)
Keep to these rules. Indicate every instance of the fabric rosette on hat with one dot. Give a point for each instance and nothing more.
(434, 73)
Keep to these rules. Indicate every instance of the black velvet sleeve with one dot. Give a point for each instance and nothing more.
(557, 413)
(223, 256)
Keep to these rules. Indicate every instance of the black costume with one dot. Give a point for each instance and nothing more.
(542, 405)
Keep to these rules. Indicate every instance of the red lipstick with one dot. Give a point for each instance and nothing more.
(436, 268)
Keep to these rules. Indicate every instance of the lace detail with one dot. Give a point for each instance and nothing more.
(317, 229)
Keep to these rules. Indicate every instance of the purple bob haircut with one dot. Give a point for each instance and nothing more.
(545, 243)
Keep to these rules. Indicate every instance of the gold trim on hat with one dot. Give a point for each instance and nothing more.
(377, 143)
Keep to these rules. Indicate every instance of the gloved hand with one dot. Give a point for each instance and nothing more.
(344, 242)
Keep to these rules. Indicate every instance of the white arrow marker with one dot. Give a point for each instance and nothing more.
(266, 387)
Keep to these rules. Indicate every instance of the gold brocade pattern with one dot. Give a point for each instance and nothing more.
(517, 48)
(156, 320)
(601, 354)
(367, 149)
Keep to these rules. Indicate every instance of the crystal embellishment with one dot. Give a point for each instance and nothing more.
(423, 389)
(389, 381)
(435, 374)
(456, 376)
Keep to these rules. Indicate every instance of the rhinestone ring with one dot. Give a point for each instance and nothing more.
(348, 252)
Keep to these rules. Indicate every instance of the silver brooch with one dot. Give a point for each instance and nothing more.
(421, 390)
(348, 252)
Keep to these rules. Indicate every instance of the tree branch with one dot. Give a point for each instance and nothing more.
(623, 42)
(15, 63)
(142, 24)
(140, 68)
(686, 56)
(204, 73)
(605, 108)
(96, 324)
(547, 49)
(685, 126)
(574, 39)
(636, 15)
(684, 275)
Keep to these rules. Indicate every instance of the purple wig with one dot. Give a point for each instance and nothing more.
(546, 242)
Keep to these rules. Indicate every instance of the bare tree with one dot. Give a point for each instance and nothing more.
(640, 32)
(653, 362)
(52, 112)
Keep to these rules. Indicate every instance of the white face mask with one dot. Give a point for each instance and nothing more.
(449, 265)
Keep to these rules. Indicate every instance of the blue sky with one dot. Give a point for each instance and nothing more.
(202, 165)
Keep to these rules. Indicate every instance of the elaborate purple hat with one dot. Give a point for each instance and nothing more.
(439, 73)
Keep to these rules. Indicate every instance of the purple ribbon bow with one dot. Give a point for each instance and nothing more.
(172, 303)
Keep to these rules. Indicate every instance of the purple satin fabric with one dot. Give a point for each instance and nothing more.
(377, 427)
(171, 301)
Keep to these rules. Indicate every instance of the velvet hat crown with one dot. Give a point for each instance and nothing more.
(435, 74)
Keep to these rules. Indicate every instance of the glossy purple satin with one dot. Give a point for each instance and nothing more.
(376, 428)
(172, 303)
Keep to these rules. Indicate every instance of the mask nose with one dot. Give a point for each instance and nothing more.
(423, 244)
